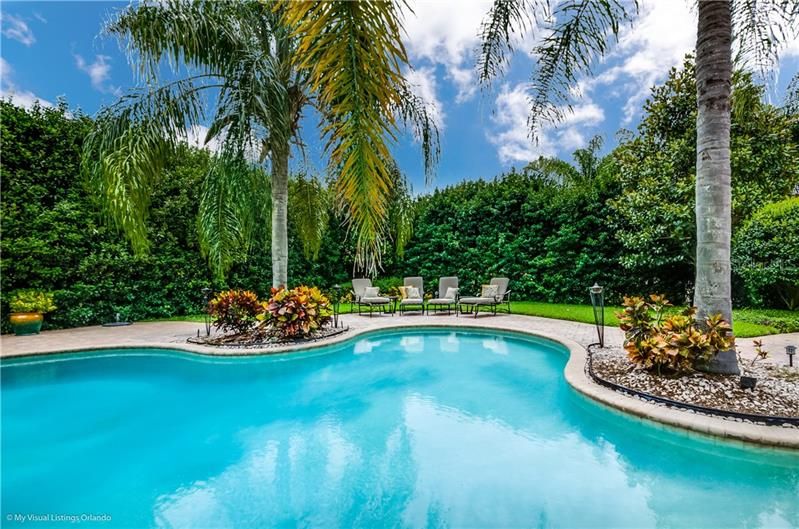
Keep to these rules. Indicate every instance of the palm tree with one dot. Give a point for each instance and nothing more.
(586, 168)
(246, 58)
(578, 31)
(713, 289)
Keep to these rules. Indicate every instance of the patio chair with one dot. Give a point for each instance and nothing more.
(368, 296)
(486, 299)
(447, 296)
(412, 303)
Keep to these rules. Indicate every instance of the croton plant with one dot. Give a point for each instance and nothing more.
(670, 343)
(298, 312)
(235, 310)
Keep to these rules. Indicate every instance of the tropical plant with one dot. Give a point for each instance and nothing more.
(653, 215)
(353, 54)
(297, 313)
(576, 33)
(670, 343)
(251, 59)
(235, 310)
(31, 300)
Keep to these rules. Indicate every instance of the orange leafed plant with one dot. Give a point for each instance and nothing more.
(235, 310)
(674, 343)
(298, 312)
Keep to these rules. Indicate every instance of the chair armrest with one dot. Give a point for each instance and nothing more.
(504, 297)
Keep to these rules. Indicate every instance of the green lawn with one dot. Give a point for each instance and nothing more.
(746, 322)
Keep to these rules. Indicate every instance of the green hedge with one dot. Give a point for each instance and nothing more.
(553, 242)
(552, 238)
(766, 255)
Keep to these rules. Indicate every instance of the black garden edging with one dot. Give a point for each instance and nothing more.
(769, 420)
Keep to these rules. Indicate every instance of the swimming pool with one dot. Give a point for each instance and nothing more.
(423, 428)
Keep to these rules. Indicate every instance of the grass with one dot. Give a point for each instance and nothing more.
(747, 323)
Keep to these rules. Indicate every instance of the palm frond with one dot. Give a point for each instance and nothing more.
(353, 52)
(231, 213)
(125, 152)
(190, 33)
(402, 211)
(417, 117)
(580, 33)
(503, 20)
(791, 105)
(309, 204)
(760, 29)
(587, 159)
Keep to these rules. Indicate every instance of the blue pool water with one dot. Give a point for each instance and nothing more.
(430, 428)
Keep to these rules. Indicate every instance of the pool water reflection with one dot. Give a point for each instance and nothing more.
(428, 428)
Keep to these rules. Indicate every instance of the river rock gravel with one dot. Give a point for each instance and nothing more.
(776, 392)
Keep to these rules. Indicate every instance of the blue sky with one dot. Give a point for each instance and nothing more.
(54, 49)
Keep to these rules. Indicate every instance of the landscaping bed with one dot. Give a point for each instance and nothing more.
(776, 392)
(251, 341)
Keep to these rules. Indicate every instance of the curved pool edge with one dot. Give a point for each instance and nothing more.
(574, 373)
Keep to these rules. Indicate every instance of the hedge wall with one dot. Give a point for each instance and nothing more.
(553, 239)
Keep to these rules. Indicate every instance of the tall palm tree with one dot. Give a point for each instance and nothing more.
(578, 31)
(712, 288)
(246, 58)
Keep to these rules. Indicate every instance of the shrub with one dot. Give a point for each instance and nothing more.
(31, 301)
(298, 312)
(235, 310)
(671, 343)
(766, 255)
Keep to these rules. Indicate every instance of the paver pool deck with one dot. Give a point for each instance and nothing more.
(575, 336)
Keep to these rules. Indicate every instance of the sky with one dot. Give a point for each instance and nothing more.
(51, 50)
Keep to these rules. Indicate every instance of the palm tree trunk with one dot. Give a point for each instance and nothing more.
(713, 290)
(280, 199)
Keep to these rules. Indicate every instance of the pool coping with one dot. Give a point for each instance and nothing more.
(574, 372)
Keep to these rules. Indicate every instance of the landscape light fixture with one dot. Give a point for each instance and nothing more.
(206, 314)
(598, 303)
(790, 350)
(336, 301)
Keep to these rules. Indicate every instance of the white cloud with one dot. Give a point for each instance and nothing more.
(424, 84)
(14, 27)
(8, 90)
(792, 48)
(446, 33)
(662, 34)
(195, 137)
(511, 133)
(99, 72)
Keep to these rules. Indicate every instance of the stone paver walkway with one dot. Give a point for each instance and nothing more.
(173, 334)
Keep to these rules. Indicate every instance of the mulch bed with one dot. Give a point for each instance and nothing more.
(776, 392)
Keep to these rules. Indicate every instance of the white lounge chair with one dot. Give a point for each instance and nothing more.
(366, 298)
(413, 303)
(467, 305)
(447, 296)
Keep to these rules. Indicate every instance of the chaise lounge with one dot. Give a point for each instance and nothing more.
(491, 295)
(447, 296)
(368, 296)
(413, 297)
